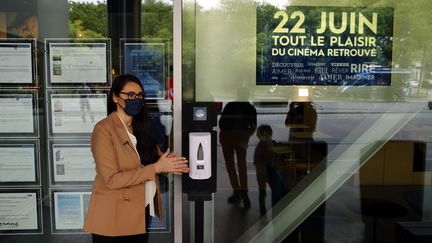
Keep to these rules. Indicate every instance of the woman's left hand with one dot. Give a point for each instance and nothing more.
(171, 163)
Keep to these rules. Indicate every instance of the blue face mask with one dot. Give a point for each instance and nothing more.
(133, 107)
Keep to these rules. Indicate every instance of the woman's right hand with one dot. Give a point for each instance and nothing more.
(171, 163)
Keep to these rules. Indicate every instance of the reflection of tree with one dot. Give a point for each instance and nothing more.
(412, 35)
(87, 20)
(156, 19)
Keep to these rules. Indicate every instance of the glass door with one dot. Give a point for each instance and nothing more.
(323, 119)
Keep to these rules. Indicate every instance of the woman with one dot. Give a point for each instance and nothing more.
(126, 186)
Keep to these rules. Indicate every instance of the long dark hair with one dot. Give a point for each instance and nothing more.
(141, 123)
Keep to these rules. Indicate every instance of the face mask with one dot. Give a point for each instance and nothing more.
(133, 107)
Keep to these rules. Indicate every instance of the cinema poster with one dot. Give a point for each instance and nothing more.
(324, 46)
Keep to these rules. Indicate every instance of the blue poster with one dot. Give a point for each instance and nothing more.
(147, 62)
(324, 46)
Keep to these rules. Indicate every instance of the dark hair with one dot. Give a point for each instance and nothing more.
(141, 123)
(265, 129)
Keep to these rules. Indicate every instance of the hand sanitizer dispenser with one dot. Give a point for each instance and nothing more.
(199, 155)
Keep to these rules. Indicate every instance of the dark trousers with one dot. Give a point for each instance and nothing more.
(142, 238)
(229, 148)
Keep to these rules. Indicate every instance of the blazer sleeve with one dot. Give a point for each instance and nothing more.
(102, 147)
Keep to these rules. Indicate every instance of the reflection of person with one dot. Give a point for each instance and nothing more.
(84, 91)
(266, 170)
(126, 188)
(237, 123)
(262, 159)
(302, 120)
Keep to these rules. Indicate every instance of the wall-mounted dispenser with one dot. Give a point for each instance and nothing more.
(199, 155)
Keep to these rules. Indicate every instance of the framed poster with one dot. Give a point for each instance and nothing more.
(72, 62)
(69, 210)
(19, 111)
(17, 61)
(19, 164)
(21, 211)
(324, 46)
(74, 115)
(147, 61)
(72, 162)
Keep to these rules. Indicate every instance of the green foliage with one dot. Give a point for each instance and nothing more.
(156, 19)
(76, 30)
(90, 20)
(87, 20)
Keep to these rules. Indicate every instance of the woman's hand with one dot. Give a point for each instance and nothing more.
(171, 163)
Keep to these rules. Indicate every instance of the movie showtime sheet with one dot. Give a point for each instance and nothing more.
(324, 46)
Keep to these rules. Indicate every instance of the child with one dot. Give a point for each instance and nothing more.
(265, 171)
(262, 159)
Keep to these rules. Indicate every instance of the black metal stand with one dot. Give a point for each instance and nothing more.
(198, 198)
(199, 221)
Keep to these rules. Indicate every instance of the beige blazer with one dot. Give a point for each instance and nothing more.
(117, 205)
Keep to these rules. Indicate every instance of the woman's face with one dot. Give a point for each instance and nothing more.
(130, 90)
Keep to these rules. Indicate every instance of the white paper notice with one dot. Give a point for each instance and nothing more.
(78, 62)
(18, 211)
(76, 113)
(73, 163)
(70, 209)
(17, 164)
(16, 63)
(17, 114)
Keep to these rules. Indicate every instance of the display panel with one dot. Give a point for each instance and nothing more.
(71, 162)
(17, 61)
(20, 213)
(75, 115)
(69, 210)
(147, 61)
(324, 46)
(77, 61)
(19, 164)
(18, 114)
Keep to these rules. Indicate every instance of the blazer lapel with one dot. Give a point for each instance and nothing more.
(121, 131)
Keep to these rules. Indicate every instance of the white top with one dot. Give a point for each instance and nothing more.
(150, 186)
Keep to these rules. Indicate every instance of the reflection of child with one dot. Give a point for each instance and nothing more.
(262, 159)
(265, 170)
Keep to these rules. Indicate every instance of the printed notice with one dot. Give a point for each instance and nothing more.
(147, 62)
(70, 209)
(18, 211)
(73, 163)
(16, 63)
(78, 62)
(17, 164)
(17, 113)
(77, 113)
